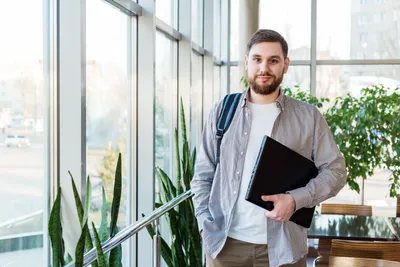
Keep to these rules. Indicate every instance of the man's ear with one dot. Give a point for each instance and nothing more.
(246, 62)
(287, 62)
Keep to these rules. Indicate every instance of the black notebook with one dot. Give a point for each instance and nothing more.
(277, 170)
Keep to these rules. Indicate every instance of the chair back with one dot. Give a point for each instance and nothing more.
(389, 250)
(346, 209)
(360, 262)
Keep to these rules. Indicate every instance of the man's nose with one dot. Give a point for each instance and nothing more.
(264, 67)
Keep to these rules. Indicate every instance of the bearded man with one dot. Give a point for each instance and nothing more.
(236, 232)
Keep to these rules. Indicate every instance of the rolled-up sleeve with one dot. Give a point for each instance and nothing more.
(330, 163)
(204, 170)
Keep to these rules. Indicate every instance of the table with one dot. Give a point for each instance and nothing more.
(326, 227)
(351, 227)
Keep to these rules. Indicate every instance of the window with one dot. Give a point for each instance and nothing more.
(350, 37)
(23, 137)
(108, 106)
(293, 22)
(217, 84)
(363, 2)
(338, 80)
(297, 76)
(333, 81)
(196, 100)
(363, 37)
(166, 95)
(167, 11)
(236, 85)
(380, 1)
(234, 28)
(165, 113)
(378, 17)
(362, 19)
(379, 36)
(197, 22)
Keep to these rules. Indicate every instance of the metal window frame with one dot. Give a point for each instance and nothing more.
(168, 30)
(128, 7)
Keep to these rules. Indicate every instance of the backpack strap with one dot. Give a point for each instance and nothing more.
(225, 118)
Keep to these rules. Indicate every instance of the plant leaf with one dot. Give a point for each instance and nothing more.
(99, 250)
(80, 247)
(78, 202)
(103, 231)
(88, 199)
(116, 197)
(55, 231)
(116, 254)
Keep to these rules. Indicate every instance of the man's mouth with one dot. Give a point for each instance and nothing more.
(264, 78)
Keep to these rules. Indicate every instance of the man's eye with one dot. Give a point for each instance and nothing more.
(274, 61)
(256, 60)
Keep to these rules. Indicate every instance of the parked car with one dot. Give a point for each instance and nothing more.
(17, 141)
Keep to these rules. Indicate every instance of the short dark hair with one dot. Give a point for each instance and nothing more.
(266, 35)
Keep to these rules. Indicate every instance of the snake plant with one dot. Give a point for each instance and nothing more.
(114, 259)
(185, 248)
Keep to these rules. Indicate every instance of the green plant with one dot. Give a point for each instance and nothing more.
(185, 249)
(85, 241)
(366, 129)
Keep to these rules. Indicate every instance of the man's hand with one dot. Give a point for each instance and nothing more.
(284, 207)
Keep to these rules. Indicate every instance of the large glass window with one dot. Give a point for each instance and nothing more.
(108, 104)
(196, 100)
(339, 80)
(166, 95)
(235, 84)
(234, 28)
(217, 84)
(292, 19)
(197, 22)
(352, 37)
(217, 29)
(297, 76)
(166, 113)
(23, 137)
(167, 11)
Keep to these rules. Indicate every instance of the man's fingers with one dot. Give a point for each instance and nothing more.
(271, 214)
(269, 198)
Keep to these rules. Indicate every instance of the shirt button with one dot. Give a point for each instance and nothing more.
(245, 133)
(234, 192)
(237, 173)
(241, 153)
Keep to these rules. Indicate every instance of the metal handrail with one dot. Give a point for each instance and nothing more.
(131, 230)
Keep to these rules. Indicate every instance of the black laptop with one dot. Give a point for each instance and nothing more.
(277, 170)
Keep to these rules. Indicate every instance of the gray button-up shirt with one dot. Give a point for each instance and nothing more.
(299, 126)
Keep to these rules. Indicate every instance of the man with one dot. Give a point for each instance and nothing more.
(236, 232)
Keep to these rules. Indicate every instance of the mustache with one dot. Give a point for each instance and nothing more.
(265, 74)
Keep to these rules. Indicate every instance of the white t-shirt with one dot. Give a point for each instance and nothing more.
(249, 223)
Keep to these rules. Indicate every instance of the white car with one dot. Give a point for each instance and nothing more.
(17, 141)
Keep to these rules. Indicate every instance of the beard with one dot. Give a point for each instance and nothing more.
(268, 88)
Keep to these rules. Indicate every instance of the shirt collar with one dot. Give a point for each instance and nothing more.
(280, 101)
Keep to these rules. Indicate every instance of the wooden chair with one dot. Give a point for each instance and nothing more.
(389, 250)
(346, 209)
(335, 261)
(324, 245)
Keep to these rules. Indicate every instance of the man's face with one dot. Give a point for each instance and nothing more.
(265, 67)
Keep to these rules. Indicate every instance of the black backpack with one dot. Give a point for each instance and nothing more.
(225, 118)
